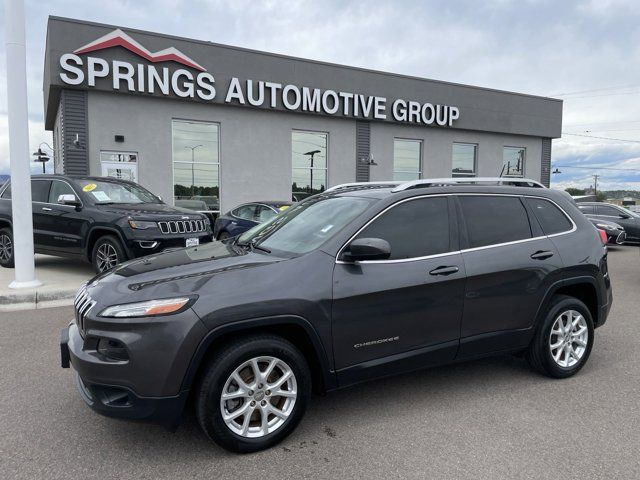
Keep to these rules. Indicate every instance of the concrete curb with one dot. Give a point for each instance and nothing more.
(36, 299)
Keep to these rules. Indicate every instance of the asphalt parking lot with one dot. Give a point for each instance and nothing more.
(488, 419)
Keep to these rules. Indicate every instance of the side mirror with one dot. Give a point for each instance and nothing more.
(69, 199)
(367, 249)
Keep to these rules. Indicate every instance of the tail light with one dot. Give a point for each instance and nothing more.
(603, 236)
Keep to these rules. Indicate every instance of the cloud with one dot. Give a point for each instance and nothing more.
(541, 47)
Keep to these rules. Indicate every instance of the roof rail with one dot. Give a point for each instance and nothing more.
(364, 184)
(434, 182)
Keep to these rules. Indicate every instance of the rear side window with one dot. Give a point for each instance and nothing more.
(40, 190)
(587, 209)
(245, 212)
(551, 218)
(494, 220)
(416, 228)
(608, 211)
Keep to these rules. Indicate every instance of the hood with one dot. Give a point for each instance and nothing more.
(183, 269)
(148, 209)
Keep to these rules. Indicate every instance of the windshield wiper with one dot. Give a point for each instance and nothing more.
(253, 246)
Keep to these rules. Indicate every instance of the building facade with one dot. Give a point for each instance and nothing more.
(196, 120)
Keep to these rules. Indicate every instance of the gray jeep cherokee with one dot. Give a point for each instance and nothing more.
(359, 282)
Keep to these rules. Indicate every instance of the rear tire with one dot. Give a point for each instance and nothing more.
(263, 417)
(6, 248)
(107, 253)
(563, 343)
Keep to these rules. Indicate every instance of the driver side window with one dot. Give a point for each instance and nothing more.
(415, 228)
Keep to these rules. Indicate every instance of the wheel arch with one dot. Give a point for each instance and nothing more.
(5, 222)
(295, 329)
(100, 231)
(583, 288)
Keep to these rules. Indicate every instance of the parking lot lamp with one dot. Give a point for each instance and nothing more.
(193, 176)
(21, 209)
(311, 154)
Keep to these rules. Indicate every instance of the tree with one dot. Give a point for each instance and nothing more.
(575, 191)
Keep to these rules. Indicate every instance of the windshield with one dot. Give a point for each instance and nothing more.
(104, 193)
(304, 227)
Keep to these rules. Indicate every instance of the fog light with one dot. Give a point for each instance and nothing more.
(112, 349)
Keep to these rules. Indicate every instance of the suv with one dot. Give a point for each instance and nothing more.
(627, 219)
(356, 283)
(100, 219)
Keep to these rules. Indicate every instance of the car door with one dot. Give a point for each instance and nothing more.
(41, 225)
(404, 312)
(509, 265)
(627, 220)
(66, 226)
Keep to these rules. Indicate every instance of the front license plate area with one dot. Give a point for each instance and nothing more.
(192, 242)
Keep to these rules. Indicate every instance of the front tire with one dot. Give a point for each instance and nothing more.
(6, 248)
(563, 343)
(106, 254)
(253, 393)
(223, 236)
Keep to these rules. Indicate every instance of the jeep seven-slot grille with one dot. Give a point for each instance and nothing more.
(82, 305)
(182, 226)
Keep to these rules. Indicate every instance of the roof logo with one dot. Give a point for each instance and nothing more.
(118, 38)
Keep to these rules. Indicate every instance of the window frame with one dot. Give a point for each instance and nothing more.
(420, 158)
(72, 189)
(475, 160)
(219, 163)
(325, 168)
(458, 224)
(532, 212)
(255, 206)
(524, 161)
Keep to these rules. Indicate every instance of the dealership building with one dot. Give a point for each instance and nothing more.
(191, 119)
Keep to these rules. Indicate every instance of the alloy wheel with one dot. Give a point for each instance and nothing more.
(258, 397)
(6, 248)
(106, 257)
(568, 338)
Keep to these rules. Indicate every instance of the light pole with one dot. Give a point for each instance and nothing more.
(193, 177)
(311, 154)
(21, 208)
(41, 156)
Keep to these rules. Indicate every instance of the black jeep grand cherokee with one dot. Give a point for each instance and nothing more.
(100, 219)
(360, 282)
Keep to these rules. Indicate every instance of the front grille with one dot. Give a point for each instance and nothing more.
(82, 305)
(182, 226)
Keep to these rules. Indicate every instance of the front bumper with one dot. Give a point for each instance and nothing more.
(141, 246)
(148, 384)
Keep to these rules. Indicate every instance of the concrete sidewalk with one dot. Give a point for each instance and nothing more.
(61, 278)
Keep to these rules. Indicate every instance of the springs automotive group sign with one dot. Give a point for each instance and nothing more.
(192, 81)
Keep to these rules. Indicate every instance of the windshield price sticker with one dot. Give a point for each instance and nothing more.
(101, 196)
(89, 187)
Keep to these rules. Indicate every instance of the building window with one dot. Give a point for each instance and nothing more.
(513, 159)
(196, 161)
(463, 160)
(406, 159)
(122, 165)
(309, 161)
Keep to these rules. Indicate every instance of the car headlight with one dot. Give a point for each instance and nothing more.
(150, 308)
(141, 225)
(604, 226)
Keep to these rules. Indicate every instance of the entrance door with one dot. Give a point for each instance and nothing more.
(121, 165)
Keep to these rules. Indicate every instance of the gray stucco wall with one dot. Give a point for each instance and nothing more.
(437, 147)
(255, 146)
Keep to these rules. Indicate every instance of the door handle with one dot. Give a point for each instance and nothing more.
(46, 209)
(542, 254)
(444, 270)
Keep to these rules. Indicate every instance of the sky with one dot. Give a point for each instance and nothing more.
(584, 52)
